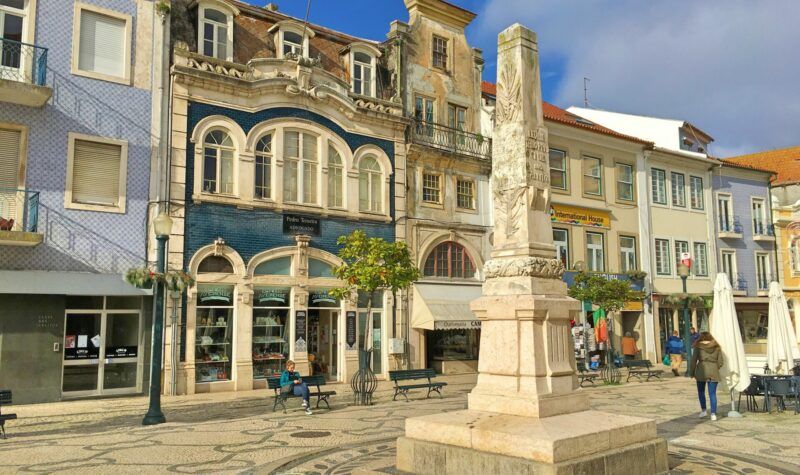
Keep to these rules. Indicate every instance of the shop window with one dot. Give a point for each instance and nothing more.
(279, 266)
(449, 259)
(321, 298)
(377, 299)
(215, 264)
(453, 345)
(270, 330)
(318, 268)
(214, 333)
(218, 151)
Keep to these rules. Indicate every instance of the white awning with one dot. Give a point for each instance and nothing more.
(444, 307)
(66, 283)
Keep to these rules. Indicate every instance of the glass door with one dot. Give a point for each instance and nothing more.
(334, 346)
(377, 348)
(12, 15)
(82, 345)
(121, 362)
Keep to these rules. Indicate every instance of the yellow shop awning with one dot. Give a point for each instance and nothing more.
(444, 307)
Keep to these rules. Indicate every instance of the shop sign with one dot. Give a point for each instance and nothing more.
(567, 214)
(457, 325)
(298, 224)
(272, 296)
(300, 331)
(350, 331)
(220, 295)
(321, 298)
(122, 351)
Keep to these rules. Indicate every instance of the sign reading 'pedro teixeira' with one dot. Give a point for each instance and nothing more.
(299, 224)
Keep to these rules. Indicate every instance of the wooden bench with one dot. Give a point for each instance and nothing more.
(641, 368)
(586, 376)
(5, 400)
(415, 375)
(274, 383)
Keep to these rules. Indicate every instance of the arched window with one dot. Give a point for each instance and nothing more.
(363, 74)
(335, 178)
(369, 185)
(318, 268)
(449, 259)
(277, 266)
(215, 264)
(264, 167)
(300, 168)
(215, 33)
(218, 162)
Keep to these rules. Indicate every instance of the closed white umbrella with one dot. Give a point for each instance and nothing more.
(724, 327)
(781, 343)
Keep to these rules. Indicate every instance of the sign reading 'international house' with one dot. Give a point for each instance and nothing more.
(567, 214)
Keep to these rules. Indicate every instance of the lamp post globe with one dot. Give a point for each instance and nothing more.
(162, 226)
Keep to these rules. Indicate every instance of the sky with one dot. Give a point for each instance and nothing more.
(730, 67)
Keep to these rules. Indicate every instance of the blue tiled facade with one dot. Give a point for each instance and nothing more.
(75, 240)
(252, 231)
(741, 189)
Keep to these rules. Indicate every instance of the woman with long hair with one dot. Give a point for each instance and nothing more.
(706, 362)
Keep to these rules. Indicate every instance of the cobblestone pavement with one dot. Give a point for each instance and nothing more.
(239, 433)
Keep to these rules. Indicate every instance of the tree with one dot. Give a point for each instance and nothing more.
(608, 294)
(371, 264)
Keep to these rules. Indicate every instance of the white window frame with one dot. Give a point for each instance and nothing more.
(447, 52)
(371, 176)
(677, 252)
(23, 149)
(627, 254)
(697, 260)
(373, 53)
(700, 193)
(329, 178)
(474, 185)
(729, 211)
(440, 188)
(762, 216)
(668, 256)
(218, 163)
(733, 270)
(272, 157)
(632, 183)
(765, 256)
(676, 192)
(229, 11)
(76, 42)
(564, 172)
(794, 255)
(301, 165)
(597, 251)
(654, 188)
(586, 174)
(562, 245)
(27, 13)
(293, 26)
(123, 174)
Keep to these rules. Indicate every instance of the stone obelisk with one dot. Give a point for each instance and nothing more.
(526, 413)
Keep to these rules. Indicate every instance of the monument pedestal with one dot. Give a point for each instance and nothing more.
(586, 442)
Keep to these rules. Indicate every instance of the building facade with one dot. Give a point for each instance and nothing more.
(447, 199)
(285, 137)
(79, 134)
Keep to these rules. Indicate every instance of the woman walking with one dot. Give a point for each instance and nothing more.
(706, 363)
(291, 383)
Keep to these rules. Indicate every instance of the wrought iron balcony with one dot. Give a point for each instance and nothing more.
(763, 232)
(25, 65)
(730, 227)
(19, 217)
(451, 140)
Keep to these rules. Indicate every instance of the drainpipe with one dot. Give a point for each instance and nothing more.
(776, 244)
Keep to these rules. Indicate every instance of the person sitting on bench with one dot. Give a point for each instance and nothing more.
(292, 383)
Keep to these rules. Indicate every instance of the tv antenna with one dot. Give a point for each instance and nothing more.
(586, 92)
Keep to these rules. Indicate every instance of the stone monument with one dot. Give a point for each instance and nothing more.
(526, 414)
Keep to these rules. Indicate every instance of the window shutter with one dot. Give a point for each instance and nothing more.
(9, 157)
(95, 173)
(102, 44)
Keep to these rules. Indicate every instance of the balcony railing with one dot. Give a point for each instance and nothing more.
(730, 225)
(23, 62)
(451, 140)
(761, 229)
(19, 210)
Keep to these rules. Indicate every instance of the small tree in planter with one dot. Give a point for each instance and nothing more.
(370, 264)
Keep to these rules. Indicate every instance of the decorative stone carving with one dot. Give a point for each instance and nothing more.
(524, 266)
(375, 105)
(508, 95)
(219, 246)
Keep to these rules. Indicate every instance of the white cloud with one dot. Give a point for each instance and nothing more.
(730, 67)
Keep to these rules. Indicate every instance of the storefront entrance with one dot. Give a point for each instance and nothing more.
(322, 342)
(102, 348)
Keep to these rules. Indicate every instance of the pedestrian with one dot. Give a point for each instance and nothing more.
(291, 383)
(706, 363)
(675, 348)
(629, 348)
(693, 336)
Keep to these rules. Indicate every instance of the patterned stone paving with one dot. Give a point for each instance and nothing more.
(239, 433)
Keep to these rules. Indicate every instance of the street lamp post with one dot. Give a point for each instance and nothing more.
(162, 226)
(683, 271)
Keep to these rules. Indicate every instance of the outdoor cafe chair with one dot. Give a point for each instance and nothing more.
(756, 388)
(779, 388)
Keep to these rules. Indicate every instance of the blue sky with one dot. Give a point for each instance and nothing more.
(728, 67)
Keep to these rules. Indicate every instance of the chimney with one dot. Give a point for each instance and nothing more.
(272, 7)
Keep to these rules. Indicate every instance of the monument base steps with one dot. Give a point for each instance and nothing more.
(585, 442)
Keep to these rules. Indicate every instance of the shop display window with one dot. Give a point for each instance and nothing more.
(214, 333)
(270, 319)
(454, 344)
